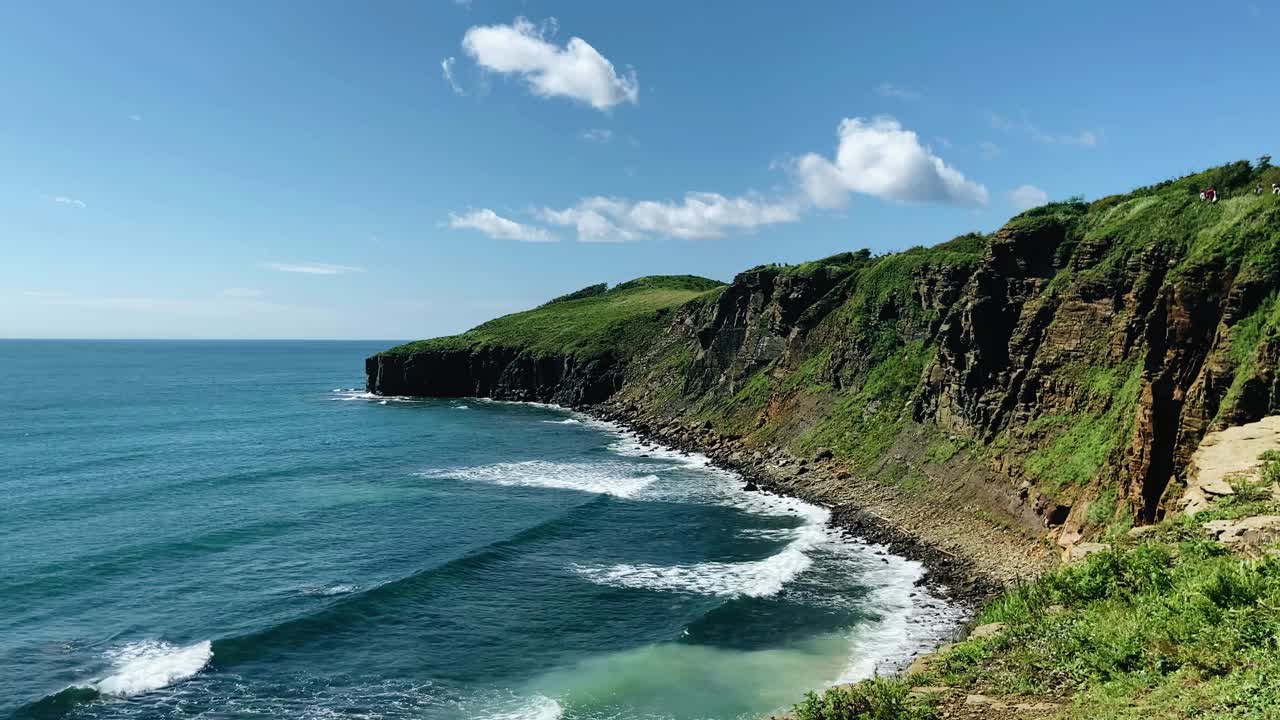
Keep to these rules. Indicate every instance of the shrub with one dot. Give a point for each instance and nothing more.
(877, 699)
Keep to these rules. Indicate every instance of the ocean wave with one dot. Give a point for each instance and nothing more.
(566, 421)
(617, 479)
(354, 394)
(152, 664)
(331, 590)
(909, 619)
(760, 578)
(540, 707)
(753, 578)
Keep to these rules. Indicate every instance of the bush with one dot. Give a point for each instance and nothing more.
(877, 699)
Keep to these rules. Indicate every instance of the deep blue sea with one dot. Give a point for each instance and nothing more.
(236, 530)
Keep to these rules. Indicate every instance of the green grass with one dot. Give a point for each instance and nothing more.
(1183, 628)
(864, 424)
(620, 320)
(1081, 444)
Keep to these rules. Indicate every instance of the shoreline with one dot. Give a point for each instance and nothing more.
(948, 575)
(947, 581)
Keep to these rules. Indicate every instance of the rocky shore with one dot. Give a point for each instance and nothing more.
(965, 573)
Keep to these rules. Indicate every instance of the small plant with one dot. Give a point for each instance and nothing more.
(1271, 467)
(1247, 490)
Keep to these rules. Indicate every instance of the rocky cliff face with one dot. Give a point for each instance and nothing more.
(496, 372)
(1058, 373)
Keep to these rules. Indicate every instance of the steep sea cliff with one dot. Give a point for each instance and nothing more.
(1049, 380)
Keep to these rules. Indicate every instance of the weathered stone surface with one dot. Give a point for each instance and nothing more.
(1080, 551)
(986, 631)
(1233, 454)
(1254, 531)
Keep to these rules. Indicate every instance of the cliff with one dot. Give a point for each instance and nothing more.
(1051, 378)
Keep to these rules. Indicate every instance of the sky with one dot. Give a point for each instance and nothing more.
(397, 170)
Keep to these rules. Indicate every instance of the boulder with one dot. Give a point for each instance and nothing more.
(1080, 551)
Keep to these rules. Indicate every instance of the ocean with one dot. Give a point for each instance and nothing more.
(238, 530)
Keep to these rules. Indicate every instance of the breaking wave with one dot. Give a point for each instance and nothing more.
(617, 479)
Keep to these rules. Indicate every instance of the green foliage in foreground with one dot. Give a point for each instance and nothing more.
(587, 323)
(1174, 629)
(876, 699)
(1185, 629)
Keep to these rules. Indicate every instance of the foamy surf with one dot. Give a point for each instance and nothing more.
(617, 479)
(152, 664)
(909, 619)
(760, 578)
(540, 707)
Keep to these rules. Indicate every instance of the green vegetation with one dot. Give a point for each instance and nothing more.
(1082, 443)
(1177, 626)
(1184, 627)
(1270, 472)
(876, 699)
(619, 320)
(864, 424)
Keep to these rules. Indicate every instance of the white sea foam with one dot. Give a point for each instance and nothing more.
(152, 664)
(461, 407)
(759, 578)
(354, 394)
(540, 707)
(566, 421)
(912, 620)
(617, 479)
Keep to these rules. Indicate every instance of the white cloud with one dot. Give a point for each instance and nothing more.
(700, 215)
(135, 117)
(314, 268)
(64, 200)
(989, 150)
(575, 71)
(879, 157)
(1025, 197)
(241, 293)
(446, 68)
(597, 135)
(499, 228)
(890, 90)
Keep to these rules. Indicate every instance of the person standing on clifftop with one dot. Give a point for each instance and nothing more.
(1275, 188)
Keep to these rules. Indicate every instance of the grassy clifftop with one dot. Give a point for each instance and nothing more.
(582, 324)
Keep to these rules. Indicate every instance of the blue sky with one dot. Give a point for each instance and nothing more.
(309, 169)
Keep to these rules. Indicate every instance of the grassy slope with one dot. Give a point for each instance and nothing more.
(1170, 625)
(617, 320)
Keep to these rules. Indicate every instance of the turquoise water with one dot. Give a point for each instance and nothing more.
(235, 530)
